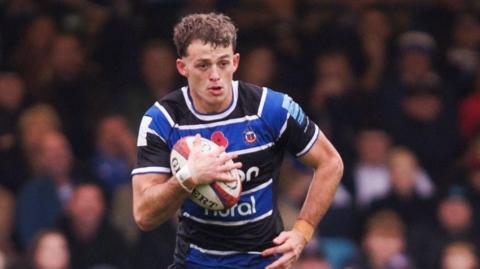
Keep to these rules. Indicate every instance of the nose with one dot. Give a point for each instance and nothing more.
(214, 74)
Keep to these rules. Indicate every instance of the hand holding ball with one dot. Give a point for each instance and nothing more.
(207, 172)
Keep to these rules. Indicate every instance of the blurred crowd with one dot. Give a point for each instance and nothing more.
(394, 84)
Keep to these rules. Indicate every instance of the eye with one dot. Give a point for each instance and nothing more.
(224, 64)
(203, 66)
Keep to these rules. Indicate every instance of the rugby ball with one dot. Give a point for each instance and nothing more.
(214, 196)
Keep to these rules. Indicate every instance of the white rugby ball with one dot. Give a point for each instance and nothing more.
(214, 196)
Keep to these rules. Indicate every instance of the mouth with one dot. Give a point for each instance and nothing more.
(215, 90)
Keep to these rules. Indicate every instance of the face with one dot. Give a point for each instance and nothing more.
(87, 206)
(455, 214)
(403, 168)
(458, 256)
(372, 146)
(11, 91)
(56, 156)
(67, 56)
(157, 65)
(259, 68)
(382, 248)
(209, 71)
(52, 252)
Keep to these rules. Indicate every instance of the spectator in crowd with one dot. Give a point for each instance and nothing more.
(158, 76)
(259, 66)
(91, 238)
(115, 152)
(49, 250)
(32, 55)
(459, 255)
(121, 214)
(375, 31)
(77, 92)
(41, 201)
(416, 104)
(371, 172)
(455, 223)
(33, 123)
(332, 104)
(12, 100)
(383, 244)
(462, 55)
(411, 191)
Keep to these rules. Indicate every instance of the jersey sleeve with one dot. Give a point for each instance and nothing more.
(153, 153)
(289, 123)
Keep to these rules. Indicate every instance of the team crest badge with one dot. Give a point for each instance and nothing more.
(219, 138)
(250, 136)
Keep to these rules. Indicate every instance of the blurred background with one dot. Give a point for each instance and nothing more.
(395, 84)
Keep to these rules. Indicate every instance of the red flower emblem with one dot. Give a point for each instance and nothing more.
(219, 138)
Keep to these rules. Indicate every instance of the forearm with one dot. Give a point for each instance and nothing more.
(321, 191)
(158, 203)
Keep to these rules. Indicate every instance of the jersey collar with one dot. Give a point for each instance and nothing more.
(212, 116)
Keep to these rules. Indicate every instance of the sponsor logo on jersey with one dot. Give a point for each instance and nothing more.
(250, 174)
(219, 138)
(250, 136)
(294, 110)
(241, 209)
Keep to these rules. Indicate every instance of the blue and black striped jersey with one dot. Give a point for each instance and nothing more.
(260, 125)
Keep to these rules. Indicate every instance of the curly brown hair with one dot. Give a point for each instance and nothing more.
(214, 28)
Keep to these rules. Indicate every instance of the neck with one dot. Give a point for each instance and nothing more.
(203, 106)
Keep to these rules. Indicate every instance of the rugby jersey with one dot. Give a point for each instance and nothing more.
(259, 125)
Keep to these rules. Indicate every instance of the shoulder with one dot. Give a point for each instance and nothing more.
(265, 100)
(160, 118)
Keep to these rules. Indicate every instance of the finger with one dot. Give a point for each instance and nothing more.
(227, 167)
(282, 249)
(281, 238)
(283, 262)
(269, 251)
(197, 141)
(225, 177)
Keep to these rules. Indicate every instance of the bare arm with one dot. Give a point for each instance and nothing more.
(156, 197)
(328, 170)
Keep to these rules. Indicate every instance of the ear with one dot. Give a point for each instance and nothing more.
(236, 61)
(181, 67)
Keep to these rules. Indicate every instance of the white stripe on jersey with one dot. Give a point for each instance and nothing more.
(165, 113)
(222, 253)
(310, 143)
(151, 131)
(218, 116)
(262, 101)
(284, 127)
(228, 223)
(218, 123)
(151, 169)
(259, 187)
(254, 149)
